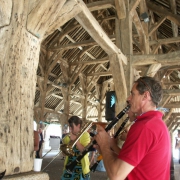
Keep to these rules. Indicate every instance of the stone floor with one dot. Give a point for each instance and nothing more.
(56, 167)
(176, 170)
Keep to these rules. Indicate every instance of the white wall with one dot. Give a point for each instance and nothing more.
(52, 130)
(35, 126)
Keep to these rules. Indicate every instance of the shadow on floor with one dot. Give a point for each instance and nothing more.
(176, 169)
(55, 169)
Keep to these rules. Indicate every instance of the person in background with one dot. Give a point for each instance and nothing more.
(36, 140)
(81, 170)
(41, 140)
(146, 153)
(177, 145)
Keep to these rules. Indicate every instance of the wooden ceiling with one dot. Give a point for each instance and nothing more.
(75, 72)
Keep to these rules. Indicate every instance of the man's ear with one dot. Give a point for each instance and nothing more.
(147, 95)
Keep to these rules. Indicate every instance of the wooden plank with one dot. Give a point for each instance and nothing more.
(50, 82)
(165, 59)
(77, 44)
(120, 9)
(94, 61)
(168, 115)
(172, 105)
(43, 14)
(98, 96)
(133, 5)
(143, 9)
(99, 5)
(123, 32)
(156, 25)
(83, 81)
(163, 12)
(100, 74)
(65, 70)
(153, 69)
(68, 12)
(141, 32)
(164, 101)
(90, 24)
(165, 41)
(172, 123)
(171, 83)
(76, 73)
(173, 6)
(172, 92)
(117, 72)
(92, 82)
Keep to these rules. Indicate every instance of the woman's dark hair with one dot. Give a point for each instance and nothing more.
(153, 86)
(76, 120)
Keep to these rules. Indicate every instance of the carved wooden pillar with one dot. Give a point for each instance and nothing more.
(119, 81)
(124, 42)
(83, 80)
(66, 101)
(43, 90)
(99, 105)
(19, 52)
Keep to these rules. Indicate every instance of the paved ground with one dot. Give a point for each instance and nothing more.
(55, 168)
(176, 170)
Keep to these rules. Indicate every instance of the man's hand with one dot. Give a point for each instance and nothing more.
(102, 138)
(123, 135)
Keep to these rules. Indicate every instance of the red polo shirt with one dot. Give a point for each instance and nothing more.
(148, 148)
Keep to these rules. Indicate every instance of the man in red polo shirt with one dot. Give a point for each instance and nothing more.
(146, 153)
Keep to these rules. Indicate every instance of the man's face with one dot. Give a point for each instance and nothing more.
(131, 116)
(136, 100)
(75, 129)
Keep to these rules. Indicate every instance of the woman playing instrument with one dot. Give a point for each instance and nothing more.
(81, 171)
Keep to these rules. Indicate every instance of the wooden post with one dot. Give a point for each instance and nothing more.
(83, 81)
(19, 54)
(20, 51)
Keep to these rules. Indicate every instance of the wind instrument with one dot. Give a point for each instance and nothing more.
(71, 165)
(121, 128)
(67, 149)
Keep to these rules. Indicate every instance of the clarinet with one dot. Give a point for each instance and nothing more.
(93, 168)
(71, 165)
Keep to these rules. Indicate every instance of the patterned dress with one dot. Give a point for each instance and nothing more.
(81, 170)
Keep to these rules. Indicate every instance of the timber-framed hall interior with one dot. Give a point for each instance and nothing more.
(59, 58)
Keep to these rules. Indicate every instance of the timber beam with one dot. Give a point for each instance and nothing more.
(165, 59)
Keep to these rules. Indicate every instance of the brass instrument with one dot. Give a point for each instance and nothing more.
(67, 149)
